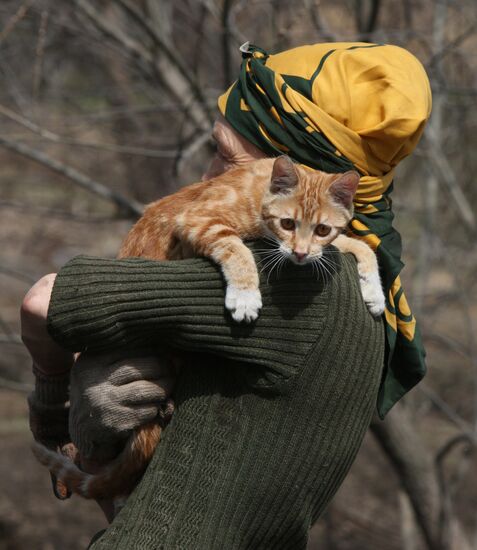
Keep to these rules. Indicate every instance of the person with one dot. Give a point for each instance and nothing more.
(268, 417)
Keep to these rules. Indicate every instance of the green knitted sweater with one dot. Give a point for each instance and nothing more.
(268, 417)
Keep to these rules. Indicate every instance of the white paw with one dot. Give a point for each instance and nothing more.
(243, 304)
(373, 293)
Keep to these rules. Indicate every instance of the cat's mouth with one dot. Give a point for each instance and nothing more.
(298, 261)
(303, 259)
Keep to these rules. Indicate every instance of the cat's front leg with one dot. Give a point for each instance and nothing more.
(368, 270)
(242, 297)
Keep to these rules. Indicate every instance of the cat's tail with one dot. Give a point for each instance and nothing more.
(118, 478)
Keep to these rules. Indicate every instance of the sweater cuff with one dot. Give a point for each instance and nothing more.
(51, 389)
(49, 407)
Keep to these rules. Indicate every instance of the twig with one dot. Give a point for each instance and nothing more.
(445, 513)
(445, 408)
(313, 8)
(12, 23)
(169, 52)
(199, 41)
(172, 79)
(39, 53)
(214, 10)
(188, 150)
(11, 84)
(55, 138)
(15, 386)
(366, 25)
(226, 49)
(17, 274)
(448, 342)
(8, 332)
(58, 213)
(110, 147)
(130, 206)
(446, 173)
(106, 114)
(13, 339)
(452, 45)
(133, 48)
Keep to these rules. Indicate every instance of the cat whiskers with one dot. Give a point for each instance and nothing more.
(272, 259)
(277, 265)
(325, 268)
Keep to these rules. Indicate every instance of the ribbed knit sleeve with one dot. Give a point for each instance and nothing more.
(100, 304)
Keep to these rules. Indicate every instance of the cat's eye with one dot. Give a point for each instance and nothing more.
(288, 224)
(322, 230)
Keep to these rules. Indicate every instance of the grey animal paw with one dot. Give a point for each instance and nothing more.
(243, 304)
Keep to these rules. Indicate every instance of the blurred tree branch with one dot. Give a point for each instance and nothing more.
(55, 138)
(313, 8)
(421, 479)
(131, 207)
(367, 12)
(14, 20)
(17, 274)
(441, 166)
(12, 385)
(215, 11)
(226, 45)
(39, 53)
(168, 68)
(60, 214)
(451, 46)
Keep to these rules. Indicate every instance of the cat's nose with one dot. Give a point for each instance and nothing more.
(300, 256)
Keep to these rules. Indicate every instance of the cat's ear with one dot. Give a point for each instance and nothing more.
(284, 176)
(343, 189)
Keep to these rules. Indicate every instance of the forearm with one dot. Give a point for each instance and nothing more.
(102, 304)
(47, 356)
(99, 303)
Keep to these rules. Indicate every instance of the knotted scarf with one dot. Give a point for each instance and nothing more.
(338, 107)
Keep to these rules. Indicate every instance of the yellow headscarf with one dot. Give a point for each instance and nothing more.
(336, 107)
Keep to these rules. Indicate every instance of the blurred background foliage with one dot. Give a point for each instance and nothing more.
(107, 104)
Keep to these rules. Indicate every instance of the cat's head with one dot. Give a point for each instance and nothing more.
(306, 210)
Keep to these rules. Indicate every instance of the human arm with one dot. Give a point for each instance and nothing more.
(118, 392)
(108, 304)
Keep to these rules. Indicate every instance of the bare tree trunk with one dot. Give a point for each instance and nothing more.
(430, 191)
(366, 18)
(415, 467)
(409, 533)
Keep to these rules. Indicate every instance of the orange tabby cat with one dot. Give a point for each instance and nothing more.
(301, 210)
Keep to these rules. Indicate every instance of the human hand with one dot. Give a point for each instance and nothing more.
(112, 396)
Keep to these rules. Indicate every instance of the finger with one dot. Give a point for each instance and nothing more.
(140, 368)
(145, 414)
(144, 391)
(87, 361)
